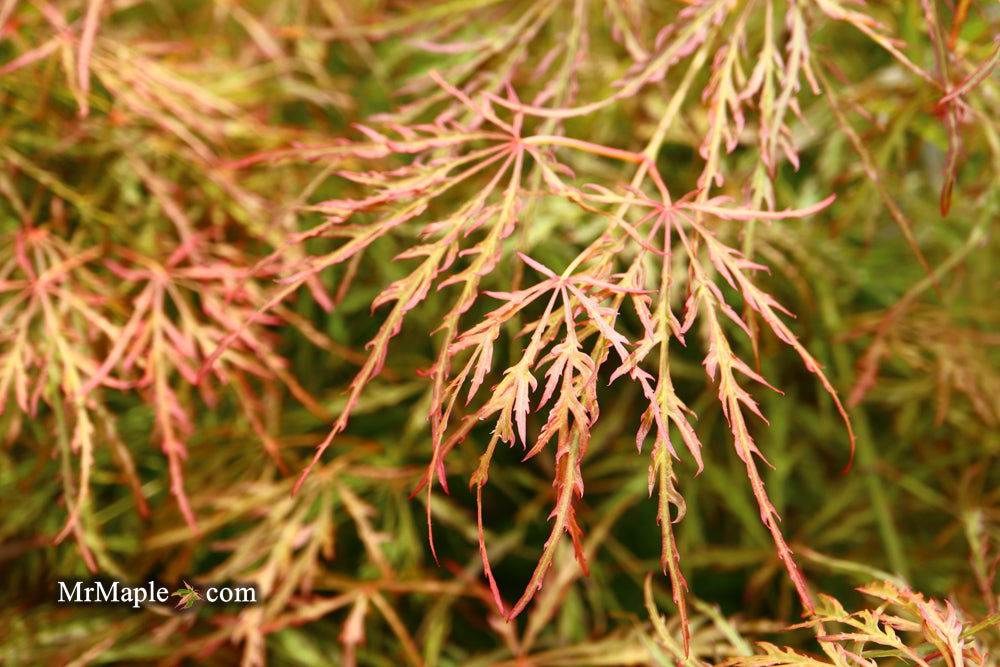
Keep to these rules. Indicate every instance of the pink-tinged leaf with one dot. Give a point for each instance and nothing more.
(279, 296)
(34, 55)
(615, 288)
(484, 362)
(81, 443)
(180, 341)
(576, 535)
(434, 469)
(688, 435)
(547, 112)
(596, 315)
(751, 214)
(353, 632)
(376, 137)
(346, 251)
(128, 334)
(742, 367)
(124, 273)
(541, 268)
(90, 24)
(478, 479)
(566, 483)
(480, 110)
(555, 372)
(487, 570)
(690, 312)
(641, 305)
(414, 288)
(319, 294)
(661, 472)
(524, 383)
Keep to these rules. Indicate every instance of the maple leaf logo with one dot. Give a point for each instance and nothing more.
(188, 595)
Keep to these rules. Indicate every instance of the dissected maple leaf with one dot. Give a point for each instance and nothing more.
(188, 596)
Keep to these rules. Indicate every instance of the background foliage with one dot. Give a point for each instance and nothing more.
(195, 228)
